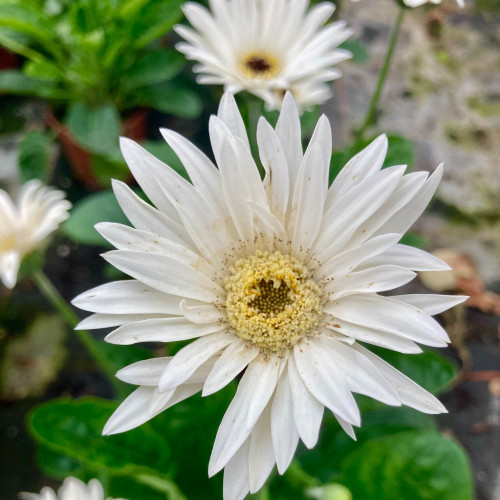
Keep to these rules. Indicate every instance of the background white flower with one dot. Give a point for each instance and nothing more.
(71, 489)
(37, 212)
(266, 47)
(418, 3)
(277, 279)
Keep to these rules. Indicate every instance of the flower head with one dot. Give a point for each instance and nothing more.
(71, 489)
(418, 3)
(266, 47)
(38, 211)
(277, 279)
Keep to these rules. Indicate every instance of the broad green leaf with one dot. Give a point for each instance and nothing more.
(358, 50)
(409, 466)
(43, 70)
(129, 488)
(34, 156)
(96, 129)
(154, 67)
(74, 427)
(415, 240)
(107, 168)
(58, 465)
(17, 83)
(401, 151)
(429, 369)
(96, 207)
(171, 98)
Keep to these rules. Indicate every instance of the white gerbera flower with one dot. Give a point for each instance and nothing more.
(38, 211)
(266, 47)
(279, 279)
(71, 489)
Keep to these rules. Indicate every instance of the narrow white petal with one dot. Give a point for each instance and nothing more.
(392, 316)
(307, 410)
(431, 303)
(165, 274)
(346, 427)
(101, 320)
(205, 313)
(410, 393)
(361, 375)
(261, 455)
(130, 413)
(9, 267)
(372, 280)
(146, 372)
(284, 432)
(190, 358)
(322, 136)
(233, 361)
(409, 257)
(161, 330)
(236, 485)
(127, 297)
(325, 381)
(228, 112)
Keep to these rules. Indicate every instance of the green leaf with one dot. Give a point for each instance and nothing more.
(34, 156)
(74, 428)
(96, 207)
(428, 369)
(401, 151)
(43, 70)
(415, 240)
(96, 129)
(17, 83)
(358, 50)
(170, 98)
(153, 68)
(409, 465)
(58, 465)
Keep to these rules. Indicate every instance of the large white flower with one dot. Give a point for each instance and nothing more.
(71, 489)
(37, 212)
(266, 47)
(279, 279)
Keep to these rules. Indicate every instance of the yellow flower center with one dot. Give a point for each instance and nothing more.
(259, 65)
(272, 302)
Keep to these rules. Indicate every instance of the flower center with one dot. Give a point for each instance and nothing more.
(259, 65)
(272, 302)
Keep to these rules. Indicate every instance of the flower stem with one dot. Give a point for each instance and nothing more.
(372, 109)
(51, 293)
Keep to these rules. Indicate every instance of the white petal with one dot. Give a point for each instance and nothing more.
(99, 320)
(289, 132)
(363, 165)
(261, 455)
(409, 257)
(165, 400)
(9, 267)
(228, 112)
(374, 279)
(160, 330)
(403, 220)
(307, 410)
(322, 136)
(351, 258)
(130, 413)
(361, 375)
(431, 303)
(236, 485)
(146, 372)
(206, 313)
(372, 336)
(325, 381)
(190, 358)
(346, 427)
(233, 360)
(307, 204)
(410, 393)
(386, 314)
(127, 297)
(284, 432)
(165, 274)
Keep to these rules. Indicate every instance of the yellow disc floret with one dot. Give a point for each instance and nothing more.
(259, 65)
(272, 302)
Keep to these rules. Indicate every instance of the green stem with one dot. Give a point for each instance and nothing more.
(372, 109)
(55, 298)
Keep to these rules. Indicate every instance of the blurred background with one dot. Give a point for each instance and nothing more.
(122, 76)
